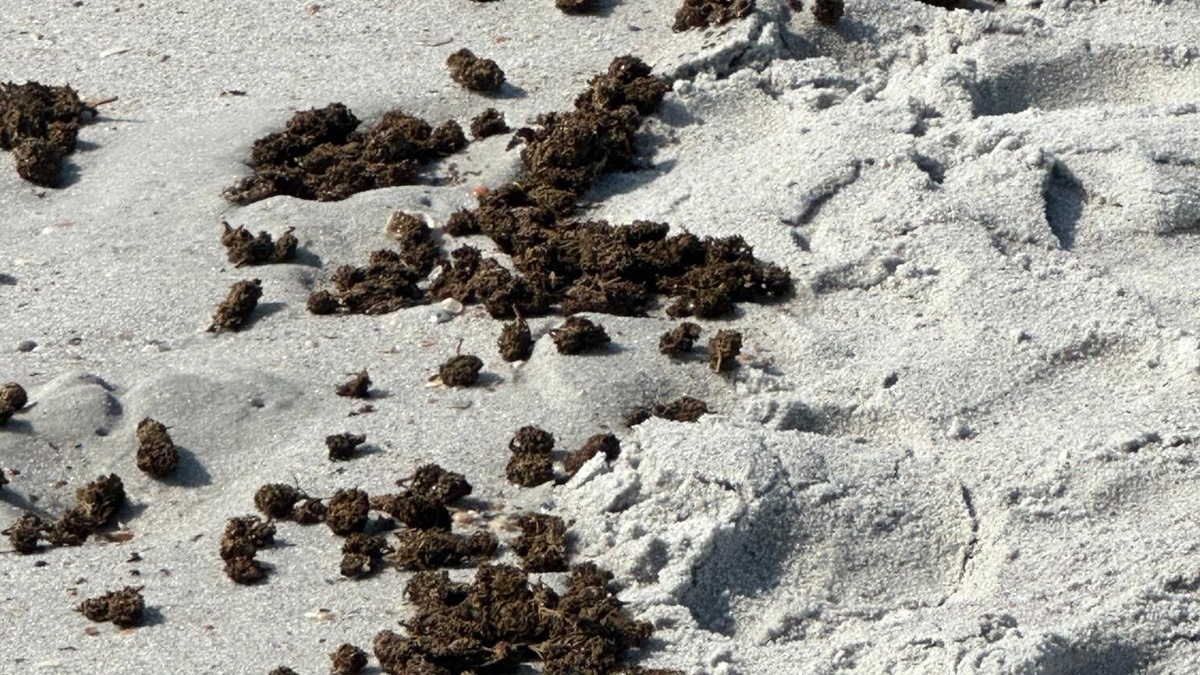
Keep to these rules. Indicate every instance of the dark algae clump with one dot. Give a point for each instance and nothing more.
(578, 335)
(679, 340)
(39, 124)
(12, 400)
(123, 608)
(342, 446)
(475, 73)
(531, 464)
(233, 313)
(488, 123)
(348, 510)
(347, 660)
(682, 409)
(705, 13)
(418, 249)
(156, 453)
(460, 371)
(240, 542)
(828, 12)
(433, 548)
(607, 444)
(575, 6)
(516, 341)
(277, 500)
(723, 350)
(322, 155)
(542, 544)
(357, 386)
(243, 248)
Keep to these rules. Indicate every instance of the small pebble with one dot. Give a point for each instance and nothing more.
(26, 346)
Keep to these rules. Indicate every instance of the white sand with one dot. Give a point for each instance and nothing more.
(996, 211)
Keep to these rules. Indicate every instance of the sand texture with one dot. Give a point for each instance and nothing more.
(966, 443)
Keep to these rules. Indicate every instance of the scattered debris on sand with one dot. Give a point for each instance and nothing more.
(233, 313)
(156, 453)
(707, 13)
(474, 73)
(243, 248)
(240, 542)
(723, 350)
(321, 155)
(40, 125)
(123, 608)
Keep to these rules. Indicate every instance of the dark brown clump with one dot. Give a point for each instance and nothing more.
(682, 409)
(309, 511)
(500, 620)
(578, 335)
(356, 387)
(531, 464)
(542, 544)
(348, 660)
(243, 248)
(348, 510)
(40, 125)
(606, 444)
(277, 500)
(384, 285)
(245, 570)
(490, 122)
(418, 249)
(460, 371)
(235, 310)
(156, 454)
(12, 399)
(705, 13)
(434, 548)
(244, 536)
(322, 303)
(416, 510)
(282, 670)
(475, 73)
(124, 607)
(828, 12)
(342, 446)
(461, 223)
(438, 484)
(680, 340)
(362, 554)
(723, 350)
(322, 156)
(23, 535)
(575, 6)
(97, 502)
(516, 341)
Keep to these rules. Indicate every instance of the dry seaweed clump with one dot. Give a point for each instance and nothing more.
(575, 6)
(433, 548)
(40, 125)
(460, 371)
(500, 620)
(680, 340)
(362, 554)
(12, 400)
(282, 670)
(475, 73)
(233, 313)
(123, 608)
(723, 350)
(416, 510)
(348, 511)
(384, 285)
(347, 660)
(243, 248)
(321, 155)
(95, 505)
(357, 386)
(607, 444)
(542, 544)
(682, 409)
(277, 500)
(705, 13)
(516, 341)
(156, 453)
(461, 223)
(828, 12)
(240, 542)
(531, 464)
(488, 123)
(578, 335)
(418, 249)
(342, 447)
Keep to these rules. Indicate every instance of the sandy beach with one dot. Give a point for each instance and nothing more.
(964, 441)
